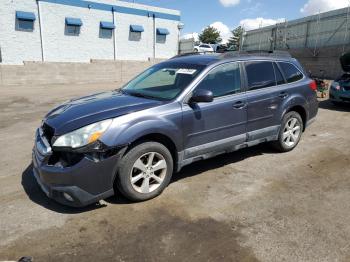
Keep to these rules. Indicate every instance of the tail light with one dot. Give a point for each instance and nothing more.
(313, 85)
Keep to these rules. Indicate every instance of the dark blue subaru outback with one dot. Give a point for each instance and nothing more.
(185, 109)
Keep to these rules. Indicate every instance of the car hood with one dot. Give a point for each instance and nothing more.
(345, 62)
(86, 110)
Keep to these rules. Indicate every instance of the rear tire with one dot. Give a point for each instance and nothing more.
(290, 132)
(145, 171)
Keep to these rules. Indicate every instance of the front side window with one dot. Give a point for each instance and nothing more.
(222, 80)
(260, 74)
(163, 82)
(291, 73)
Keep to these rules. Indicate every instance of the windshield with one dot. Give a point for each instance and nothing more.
(163, 81)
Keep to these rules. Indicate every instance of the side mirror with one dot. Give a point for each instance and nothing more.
(202, 95)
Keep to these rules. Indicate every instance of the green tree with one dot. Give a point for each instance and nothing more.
(235, 40)
(210, 35)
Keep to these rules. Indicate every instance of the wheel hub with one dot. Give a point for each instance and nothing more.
(148, 172)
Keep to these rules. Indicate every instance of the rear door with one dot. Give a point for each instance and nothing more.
(264, 98)
(213, 126)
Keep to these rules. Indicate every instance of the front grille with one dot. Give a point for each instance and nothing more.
(48, 132)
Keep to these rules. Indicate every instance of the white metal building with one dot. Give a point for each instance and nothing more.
(78, 31)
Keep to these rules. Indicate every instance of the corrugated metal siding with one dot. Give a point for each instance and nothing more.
(326, 29)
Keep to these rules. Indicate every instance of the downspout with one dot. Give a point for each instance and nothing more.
(154, 37)
(40, 31)
(114, 35)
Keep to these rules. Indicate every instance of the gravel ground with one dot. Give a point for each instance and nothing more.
(250, 205)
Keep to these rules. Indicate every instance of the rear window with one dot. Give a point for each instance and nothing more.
(291, 73)
(260, 74)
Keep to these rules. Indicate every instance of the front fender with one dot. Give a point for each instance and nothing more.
(128, 128)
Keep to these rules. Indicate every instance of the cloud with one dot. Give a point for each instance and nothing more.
(314, 6)
(227, 3)
(191, 35)
(253, 8)
(224, 30)
(250, 24)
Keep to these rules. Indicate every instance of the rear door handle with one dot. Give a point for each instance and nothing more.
(239, 105)
(283, 95)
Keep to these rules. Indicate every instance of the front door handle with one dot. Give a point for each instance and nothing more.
(239, 105)
(283, 95)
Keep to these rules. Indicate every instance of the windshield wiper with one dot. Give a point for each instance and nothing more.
(139, 95)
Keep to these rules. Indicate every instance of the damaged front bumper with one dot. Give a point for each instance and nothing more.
(86, 180)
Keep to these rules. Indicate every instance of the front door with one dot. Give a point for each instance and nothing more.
(217, 125)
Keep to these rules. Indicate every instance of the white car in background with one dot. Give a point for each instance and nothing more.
(203, 48)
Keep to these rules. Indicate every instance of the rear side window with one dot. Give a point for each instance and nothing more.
(222, 80)
(279, 77)
(291, 73)
(260, 74)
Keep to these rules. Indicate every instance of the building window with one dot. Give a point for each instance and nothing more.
(106, 29)
(73, 26)
(135, 32)
(161, 35)
(25, 21)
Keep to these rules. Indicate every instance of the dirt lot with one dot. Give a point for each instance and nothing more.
(251, 205)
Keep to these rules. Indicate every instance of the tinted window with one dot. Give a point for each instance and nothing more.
(134, 36)
(291, 73)
(160, 39)
(223, 80)
(72, 30)
(24, 25)
(279, 77)
(106, 33)
(260, 75)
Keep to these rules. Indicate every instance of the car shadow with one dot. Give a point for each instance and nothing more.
(223, 160)
(35, 193)
(199, 167)
(328, 105)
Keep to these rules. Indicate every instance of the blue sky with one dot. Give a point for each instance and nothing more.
(227, 14)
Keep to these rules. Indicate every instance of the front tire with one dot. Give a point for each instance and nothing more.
(290, 132)
(145, 171)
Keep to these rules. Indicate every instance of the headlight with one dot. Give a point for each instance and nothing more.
(83, 136)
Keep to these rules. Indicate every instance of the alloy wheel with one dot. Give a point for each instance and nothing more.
(148, 172)
(291, 132)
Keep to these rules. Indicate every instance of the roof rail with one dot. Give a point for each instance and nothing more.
(192, 53)
(274, 53)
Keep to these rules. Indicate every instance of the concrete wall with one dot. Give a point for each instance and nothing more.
(57, 46)
(71, 73)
